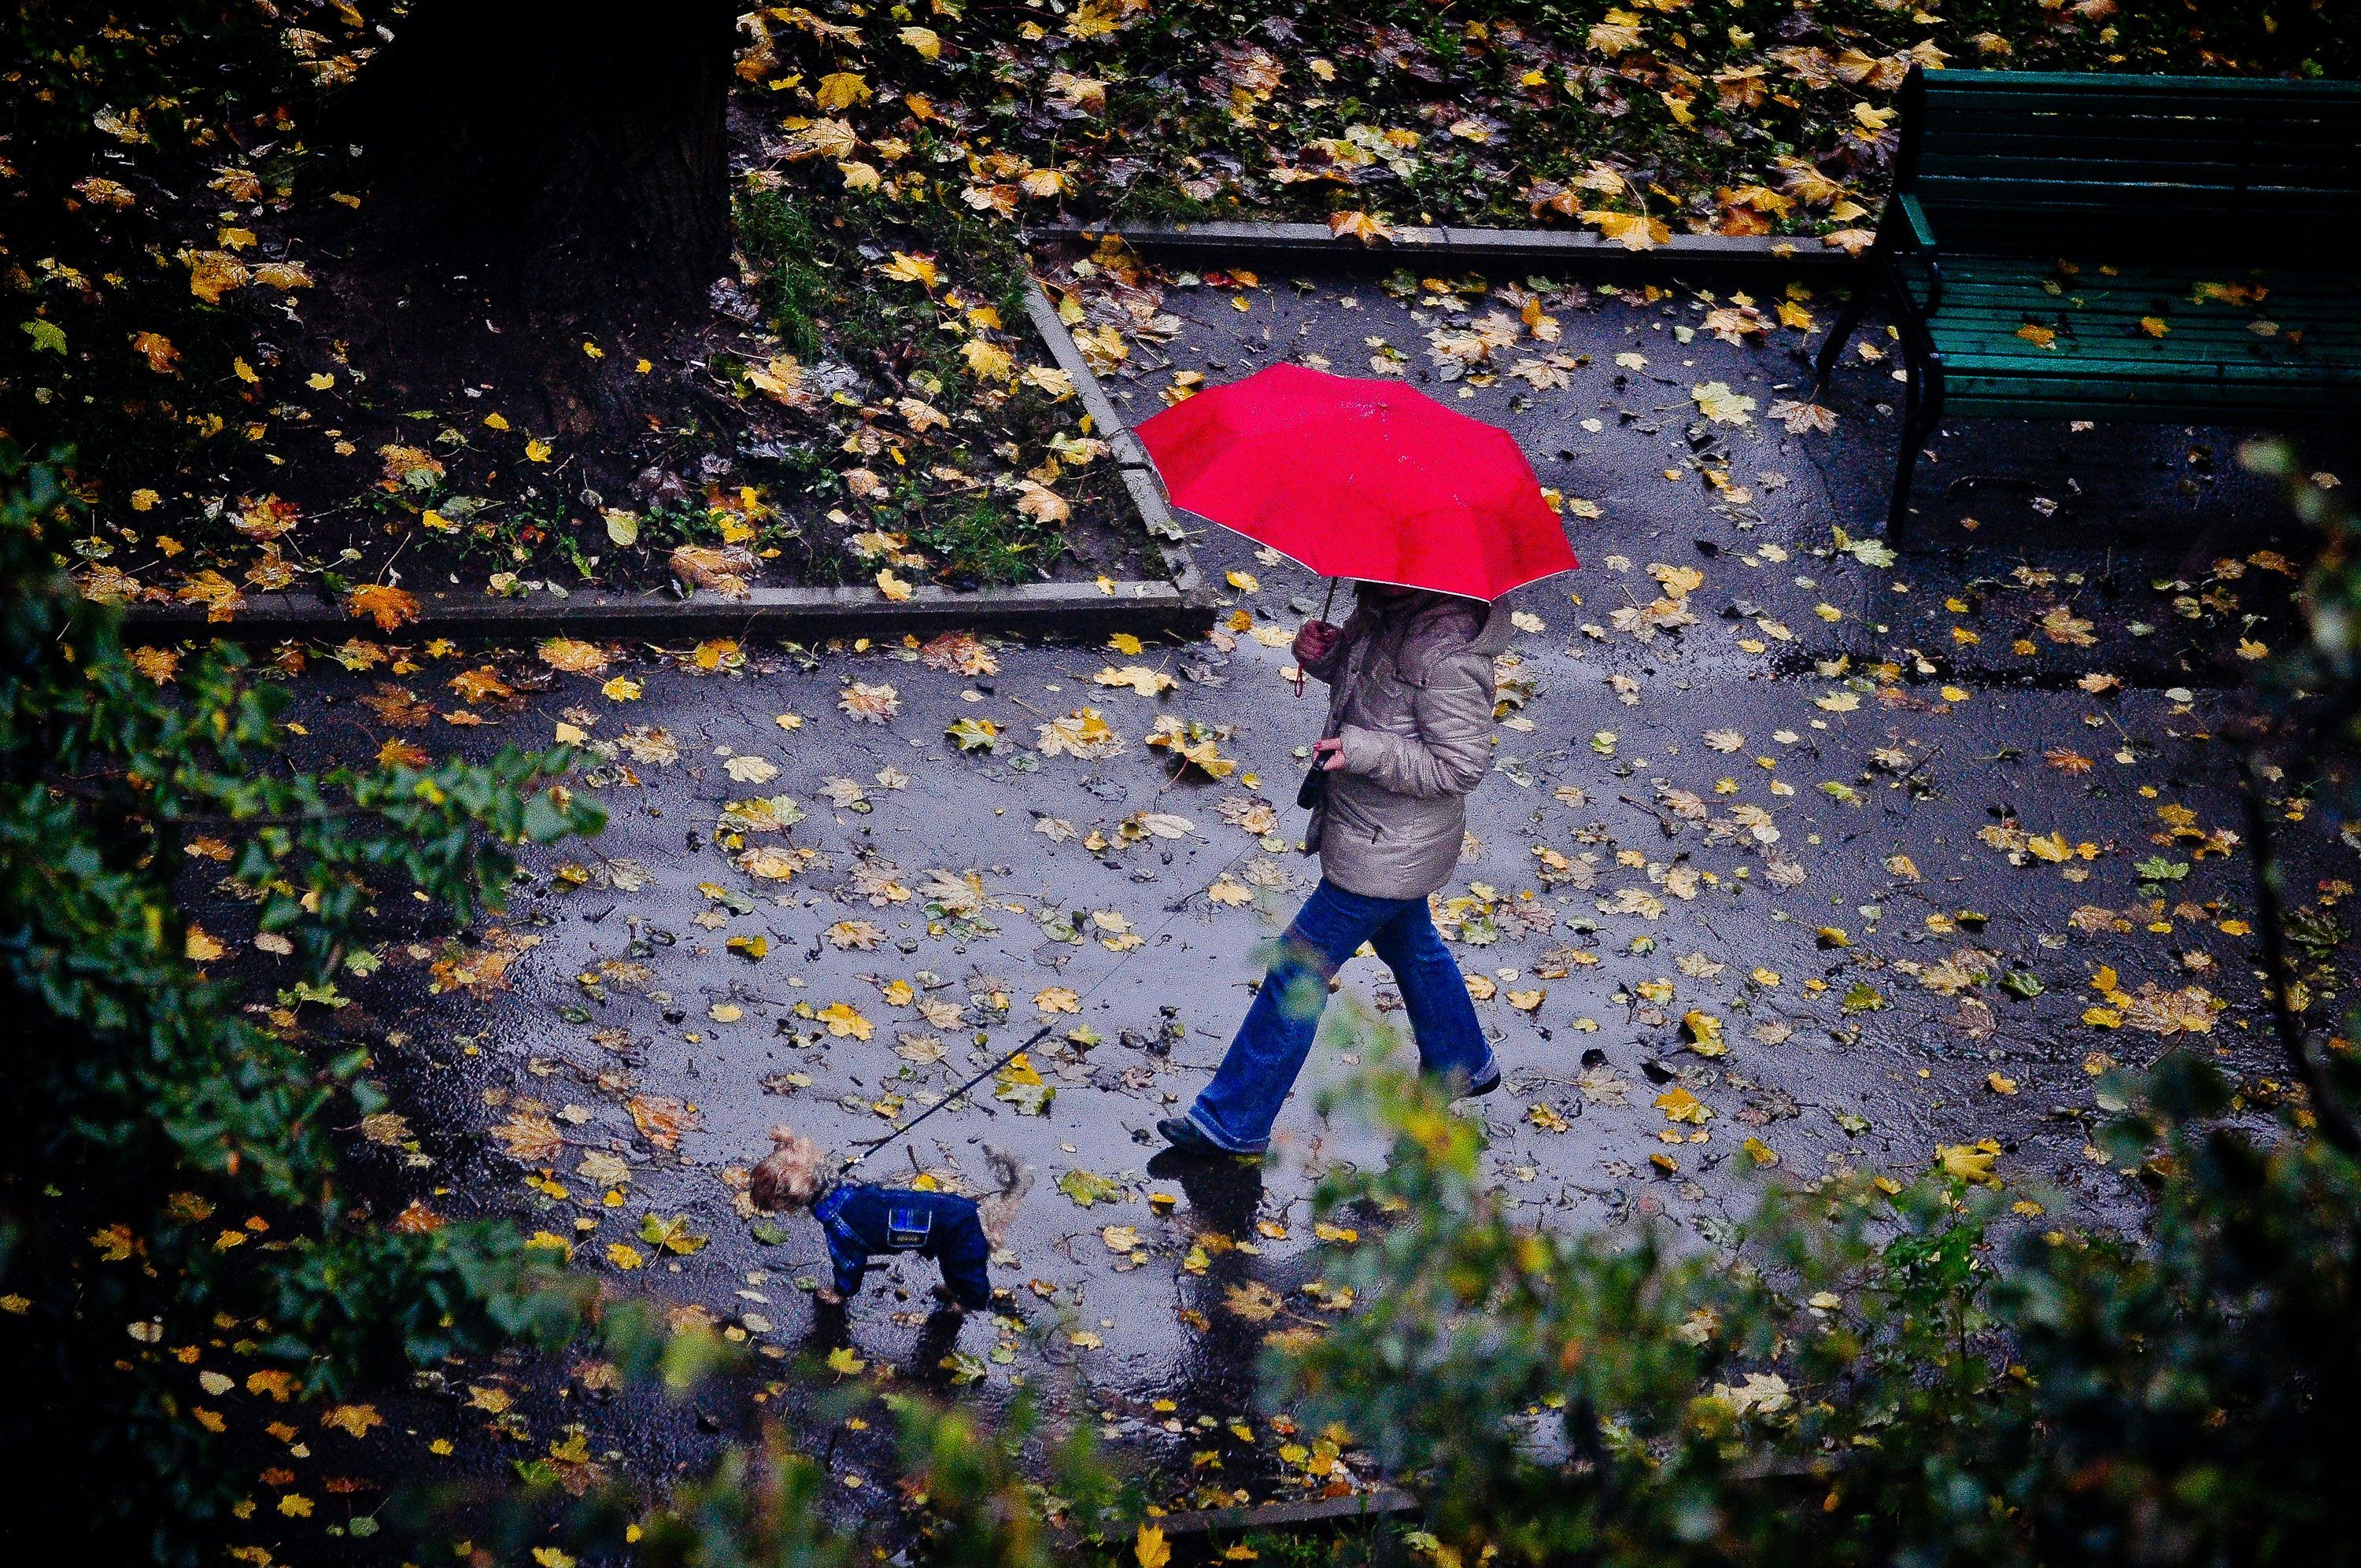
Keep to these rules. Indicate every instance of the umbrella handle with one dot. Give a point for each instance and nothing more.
(1326, 605)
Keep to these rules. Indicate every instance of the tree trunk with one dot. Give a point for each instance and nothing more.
(571, 162)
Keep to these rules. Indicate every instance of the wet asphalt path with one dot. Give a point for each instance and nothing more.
(1739, 816)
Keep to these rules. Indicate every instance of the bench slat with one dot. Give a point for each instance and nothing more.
(2147, 187)
(2220, 94)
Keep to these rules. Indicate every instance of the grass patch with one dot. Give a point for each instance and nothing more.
(777, 236)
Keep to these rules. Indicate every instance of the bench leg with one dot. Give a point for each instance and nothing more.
(1897, 509)
(1922, 406)
(1848, 321)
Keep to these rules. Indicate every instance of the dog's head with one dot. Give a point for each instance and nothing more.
(792, 1174)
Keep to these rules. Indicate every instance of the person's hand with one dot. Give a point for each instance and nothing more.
(1315, 642)
(1328, 755)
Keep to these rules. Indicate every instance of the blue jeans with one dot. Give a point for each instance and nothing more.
(1236, 1109)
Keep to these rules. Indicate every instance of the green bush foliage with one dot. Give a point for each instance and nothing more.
(146, 1116)
(1873, 1373)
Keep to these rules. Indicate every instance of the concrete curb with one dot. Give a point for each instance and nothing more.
(1383, 1503)
(1539, 248)
(1139, 477)
(1144, 606)
(796, 615)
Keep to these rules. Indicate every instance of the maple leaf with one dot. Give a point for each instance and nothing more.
(1801, 418)
(652, 744)
(780, 378)
(907, 269)
(601, 1168)
(1632, 232)
(2061, 625)
(958, 652)
(1148, 683)
(1083, 92)
(842, 90)
(387, 606)
(953, 893)
(530, 1138)
(1362, 227)
(410, 466)
(1192, 744)
(355, 1420)
(1969, 1162)
(720, 568)
(2188, 1010)
(158, 350)
(824, 138)
(975, 734)
(1634, 901)
(397, 706)
(1041, 503)
(860, 935)
(1681, 1106)
(1256, 818)
(104, 192)
(673, 1236)
(845, 1020)
(1719, 404)
(987, 360)
(872, 703)
(212, 273)
(1019, 1085)
(573, 656)
(158, 664)
(1048, 378)
(662, 1119)
(1083, 733)
(482, 684)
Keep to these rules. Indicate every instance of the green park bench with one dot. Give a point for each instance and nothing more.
(2160, 248)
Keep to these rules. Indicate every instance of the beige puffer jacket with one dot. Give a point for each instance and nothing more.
(1411, 698)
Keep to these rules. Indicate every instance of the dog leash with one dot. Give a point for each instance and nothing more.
(868, 1146)
(1305, 798)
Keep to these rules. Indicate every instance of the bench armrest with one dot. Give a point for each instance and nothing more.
(1919, 232)
(1907, 237)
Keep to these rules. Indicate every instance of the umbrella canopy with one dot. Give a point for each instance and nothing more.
(1361, 479)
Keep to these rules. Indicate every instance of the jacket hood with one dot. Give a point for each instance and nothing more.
(1491, 634)
(1492, 637)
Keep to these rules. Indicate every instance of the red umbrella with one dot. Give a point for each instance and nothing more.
(1360, 478)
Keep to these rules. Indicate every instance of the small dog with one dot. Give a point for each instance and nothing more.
(862, 1221)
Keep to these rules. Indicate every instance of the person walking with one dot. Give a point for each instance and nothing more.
(1409, 735)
